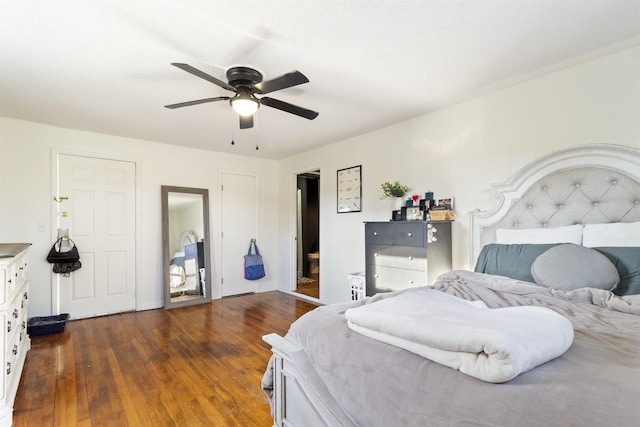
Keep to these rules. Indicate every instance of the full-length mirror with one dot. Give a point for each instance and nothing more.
(185, 246)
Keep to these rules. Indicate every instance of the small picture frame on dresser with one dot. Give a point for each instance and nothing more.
(445, 203)
(426, 204)
(414, 213)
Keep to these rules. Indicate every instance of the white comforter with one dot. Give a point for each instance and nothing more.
(493, 345)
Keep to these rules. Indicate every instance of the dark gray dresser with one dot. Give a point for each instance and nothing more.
(405, 254)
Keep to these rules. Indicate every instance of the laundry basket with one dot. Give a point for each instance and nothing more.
(358, 286)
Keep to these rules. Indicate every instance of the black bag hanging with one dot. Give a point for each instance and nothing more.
(66, 267)
(64, 262)
(57, 255)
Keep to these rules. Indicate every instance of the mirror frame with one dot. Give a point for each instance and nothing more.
(165, 190)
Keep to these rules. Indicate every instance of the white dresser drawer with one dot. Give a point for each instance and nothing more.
(12, 275)
(407, 257)
(7, 280)
(394, 279)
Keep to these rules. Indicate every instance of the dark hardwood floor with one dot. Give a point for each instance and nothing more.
(193, 366)
(311, 287)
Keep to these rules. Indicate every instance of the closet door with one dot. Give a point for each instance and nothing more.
(239, 226)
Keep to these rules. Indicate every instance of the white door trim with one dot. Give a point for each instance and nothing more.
(55, 153)
(293, 225)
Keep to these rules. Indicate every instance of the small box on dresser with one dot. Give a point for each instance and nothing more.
(405, 254)
(14, 297)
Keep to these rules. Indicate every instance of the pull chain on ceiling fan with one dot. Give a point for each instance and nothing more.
(233, 139)
(246, 83)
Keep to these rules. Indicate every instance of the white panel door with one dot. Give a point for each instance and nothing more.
(239, 226)
(100, 216)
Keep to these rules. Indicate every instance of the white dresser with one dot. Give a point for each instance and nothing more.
(14, 295)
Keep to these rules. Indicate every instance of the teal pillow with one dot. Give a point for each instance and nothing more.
(568, 267)
(627, 262)
(510, 260)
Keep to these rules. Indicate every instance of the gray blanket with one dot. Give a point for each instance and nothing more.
(595, 383)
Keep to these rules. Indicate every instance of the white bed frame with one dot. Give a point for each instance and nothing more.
(567, 194)
(554, 190)
(300, 397)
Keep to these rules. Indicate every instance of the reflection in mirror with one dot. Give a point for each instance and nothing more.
(185, 238)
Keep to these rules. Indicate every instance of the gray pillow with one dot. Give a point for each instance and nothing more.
(568, 267)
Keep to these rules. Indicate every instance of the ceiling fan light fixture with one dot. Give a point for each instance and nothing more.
(244, 105)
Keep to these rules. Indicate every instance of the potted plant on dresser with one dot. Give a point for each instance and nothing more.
(395, 191)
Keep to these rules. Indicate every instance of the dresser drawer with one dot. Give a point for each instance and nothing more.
(3, 357)
(13, 319)
(396, 233)
(12, 349)
(407, 257)
(4, 284)
(393, 279)
(21, 272)
(12, 362)
(8, 280)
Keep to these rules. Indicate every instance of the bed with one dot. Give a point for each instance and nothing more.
(568, 219)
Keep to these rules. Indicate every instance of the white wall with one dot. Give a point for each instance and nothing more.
(26, 199)
(460, 151)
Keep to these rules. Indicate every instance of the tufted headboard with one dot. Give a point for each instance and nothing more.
(582, 185)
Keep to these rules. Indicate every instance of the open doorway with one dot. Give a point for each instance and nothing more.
(308, 233)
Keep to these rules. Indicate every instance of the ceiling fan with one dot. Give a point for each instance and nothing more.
(246, 83)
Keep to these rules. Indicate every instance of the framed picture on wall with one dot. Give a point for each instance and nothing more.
(349, 189)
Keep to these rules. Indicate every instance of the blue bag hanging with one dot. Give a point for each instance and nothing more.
(253, 265)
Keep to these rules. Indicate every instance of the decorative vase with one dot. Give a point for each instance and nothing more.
(399, 203)
(396, 203)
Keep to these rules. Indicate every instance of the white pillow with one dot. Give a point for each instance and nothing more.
(614, 234)
(568, 234)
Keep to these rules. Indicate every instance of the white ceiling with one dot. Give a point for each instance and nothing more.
(104, 66)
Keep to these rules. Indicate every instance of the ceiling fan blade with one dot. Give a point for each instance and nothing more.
(189, 69)
(289, 108)
(246, 122)
(293, 78)
(198, 101)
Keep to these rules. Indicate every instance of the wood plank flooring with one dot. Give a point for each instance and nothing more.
(192, 366)
(311, 289)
